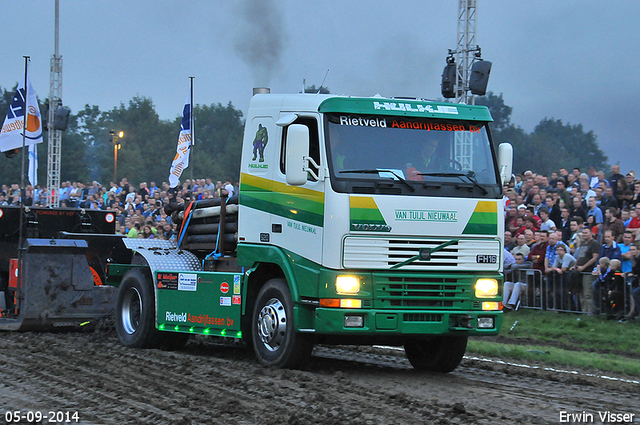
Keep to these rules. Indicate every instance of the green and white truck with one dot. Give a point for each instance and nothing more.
(359, 221)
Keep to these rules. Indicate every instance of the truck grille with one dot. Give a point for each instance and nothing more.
(433, 291)
(370, 252)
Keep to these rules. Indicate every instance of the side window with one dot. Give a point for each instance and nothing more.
(314, 143)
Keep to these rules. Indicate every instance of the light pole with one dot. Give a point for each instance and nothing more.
(116, 146)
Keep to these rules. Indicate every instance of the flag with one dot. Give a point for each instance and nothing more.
(33, 165)
(181, 160)
(12, 128)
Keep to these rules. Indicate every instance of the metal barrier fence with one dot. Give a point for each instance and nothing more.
(573, 292)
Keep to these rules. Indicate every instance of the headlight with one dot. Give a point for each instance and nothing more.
(486, 288)
(347, 285)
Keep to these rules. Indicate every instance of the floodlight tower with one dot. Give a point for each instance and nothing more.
(55, 136)
(467, 47)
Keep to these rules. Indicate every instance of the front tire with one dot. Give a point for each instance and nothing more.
(275, 340)
(135, 311)
(439, 354)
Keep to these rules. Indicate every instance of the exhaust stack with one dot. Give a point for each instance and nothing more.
(261, 90)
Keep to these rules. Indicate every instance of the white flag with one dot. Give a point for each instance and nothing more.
(181, 160)
(33, 165)
(12, 129)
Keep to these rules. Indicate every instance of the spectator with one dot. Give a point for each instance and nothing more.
(576, 225)
(539, 250)
(509, 243)
(613, 223)
(147, 233)
(635, 197)
(588, 252)
(608, 287)
(547, 223)
(552, 202)
(565, 224)
(634, 224)
(614, 178)
(144, 192)
(562, 191)
(536, 203)
(521, 247)
(631, 177)
(550, 254)
(169, 233)
(625, 216)
(134, 230)
(610, 248)
(561, 271)
(625, 252)
(595, 211)
(587, 192)
(634, 276)
(228, 187)
(529, 238)
(515, 282)
(153, 189)
(577, 208)
(608, 199)
(593, 177)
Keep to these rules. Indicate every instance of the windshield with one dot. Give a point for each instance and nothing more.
(425, 153)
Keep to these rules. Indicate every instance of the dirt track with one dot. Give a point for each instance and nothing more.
(208, 383)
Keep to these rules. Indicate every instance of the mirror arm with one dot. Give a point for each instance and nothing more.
(322, 172)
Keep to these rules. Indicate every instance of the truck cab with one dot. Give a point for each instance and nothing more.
(382, 216)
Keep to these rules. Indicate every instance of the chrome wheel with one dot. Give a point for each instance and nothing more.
(272, 324)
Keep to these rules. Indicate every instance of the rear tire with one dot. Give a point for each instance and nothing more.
(275, 340)
(439, 354)
(135, 311)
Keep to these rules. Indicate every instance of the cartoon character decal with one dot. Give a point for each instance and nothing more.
(260, 142)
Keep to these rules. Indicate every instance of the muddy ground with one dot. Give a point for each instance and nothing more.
(210, 383)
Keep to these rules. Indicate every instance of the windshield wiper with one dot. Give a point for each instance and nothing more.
(470, 175)
(377, 171)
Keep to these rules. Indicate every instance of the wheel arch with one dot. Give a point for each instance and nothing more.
(264, 262)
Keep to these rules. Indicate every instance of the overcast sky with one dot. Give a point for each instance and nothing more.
(577, 61)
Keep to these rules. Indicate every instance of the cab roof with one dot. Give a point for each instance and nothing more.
(371, 106)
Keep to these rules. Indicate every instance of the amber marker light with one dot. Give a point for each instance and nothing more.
(350, 303)
(490, 306)
(329, 302)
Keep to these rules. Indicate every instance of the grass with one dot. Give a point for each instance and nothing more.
(566, 340)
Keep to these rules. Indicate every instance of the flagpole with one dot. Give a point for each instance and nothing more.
(23, 191)
(192, 159)
(24, 129)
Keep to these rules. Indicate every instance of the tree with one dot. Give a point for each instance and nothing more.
(565, 145)
(549, 147)
(500, 112)
(218, 148)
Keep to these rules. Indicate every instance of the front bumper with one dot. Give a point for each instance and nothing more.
(406, 322)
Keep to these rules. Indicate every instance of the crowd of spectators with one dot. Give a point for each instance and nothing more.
(578, 235)
(140, 211)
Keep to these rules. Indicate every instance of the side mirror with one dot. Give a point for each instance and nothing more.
(297, 150)
(505, 161)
